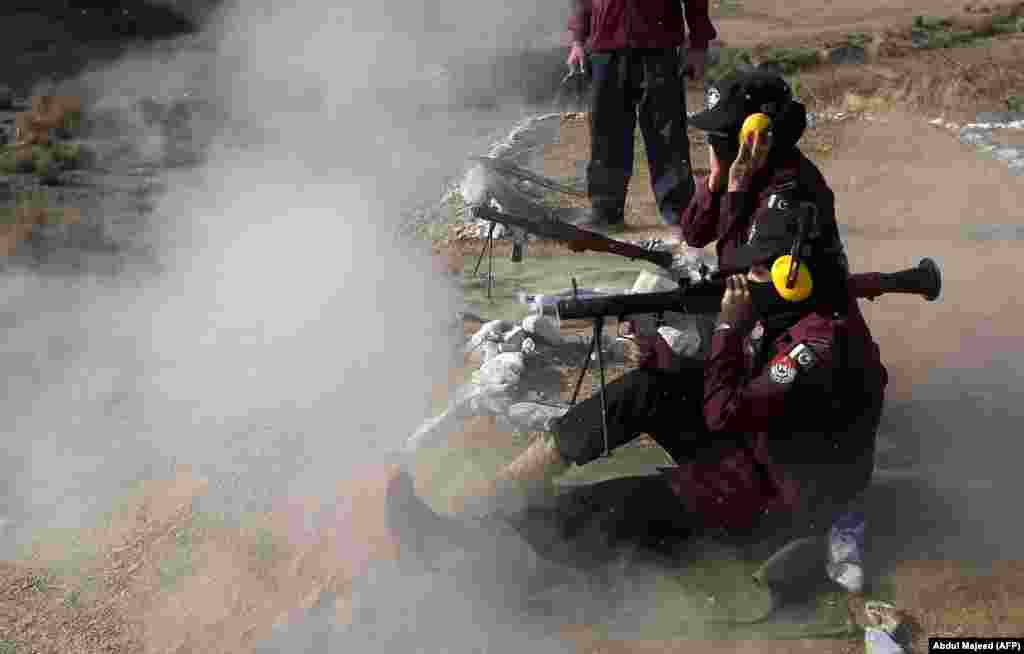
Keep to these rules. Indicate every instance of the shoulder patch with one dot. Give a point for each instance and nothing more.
(804, 355)
(782, 369)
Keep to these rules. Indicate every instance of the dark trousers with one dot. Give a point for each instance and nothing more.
(586, 525)
(626, 83)
(583, 527)
(664, 405)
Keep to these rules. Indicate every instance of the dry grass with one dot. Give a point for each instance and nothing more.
(39, 613)
(943, 598)
(161, 578)
(241, 581)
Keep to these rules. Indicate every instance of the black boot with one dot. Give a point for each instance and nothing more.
(416, 528)
(487, 551)
(602, 219)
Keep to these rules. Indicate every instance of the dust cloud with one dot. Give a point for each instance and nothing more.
(268, 329)
(286, 335)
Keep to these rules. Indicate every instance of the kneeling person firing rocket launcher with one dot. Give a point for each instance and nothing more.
(776, 429)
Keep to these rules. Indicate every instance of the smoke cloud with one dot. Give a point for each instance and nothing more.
(265, 325)
(267, 328)
(286, 334)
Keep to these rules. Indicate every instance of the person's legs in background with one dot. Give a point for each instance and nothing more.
(663, 125)
(612, 123)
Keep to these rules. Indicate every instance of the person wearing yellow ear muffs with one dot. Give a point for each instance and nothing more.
(753, 170)
(774, 433)
(772, 436)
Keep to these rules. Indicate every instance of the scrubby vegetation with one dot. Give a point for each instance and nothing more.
(929, 33)
(729, 60)
(46, 161)
(791, 60)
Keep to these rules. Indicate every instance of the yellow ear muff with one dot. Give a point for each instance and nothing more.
(801, 289)
(755, 123)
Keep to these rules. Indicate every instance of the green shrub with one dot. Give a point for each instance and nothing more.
(436, 226)
(67, 154)
(178, 563)
(930, 24)
(8, 161)
(73, 600)
(456, 206)
(858, 39)
(30, 198)
(940, 32)
(728, 7)
(40, 583)
(791, 60)
(1008, 25)
(264, 550)
(46, 160)
(794, 85)
(729, 59)
(72, 121)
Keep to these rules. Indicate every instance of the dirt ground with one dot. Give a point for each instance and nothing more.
(907, 190)
(158, 578)
(749, 22)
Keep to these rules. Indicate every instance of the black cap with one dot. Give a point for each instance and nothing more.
(729, 101)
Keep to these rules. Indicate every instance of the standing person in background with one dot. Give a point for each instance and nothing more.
(635, 68)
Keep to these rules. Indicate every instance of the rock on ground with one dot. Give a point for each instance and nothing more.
(504, 369)
(532, 416)
(846, 54)
(544, 328)
(485, 352)
(514, 338)
(492, 331)
(470, 400)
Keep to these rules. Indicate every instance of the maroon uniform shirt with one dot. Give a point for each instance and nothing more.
(790, 423)
(793, 436)
(727, 217)
(606, 25)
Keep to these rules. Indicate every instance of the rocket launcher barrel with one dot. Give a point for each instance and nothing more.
(925, 279)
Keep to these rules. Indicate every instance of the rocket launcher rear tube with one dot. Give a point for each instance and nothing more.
(706, 297)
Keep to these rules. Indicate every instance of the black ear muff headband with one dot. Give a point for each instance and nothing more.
(808, 216)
